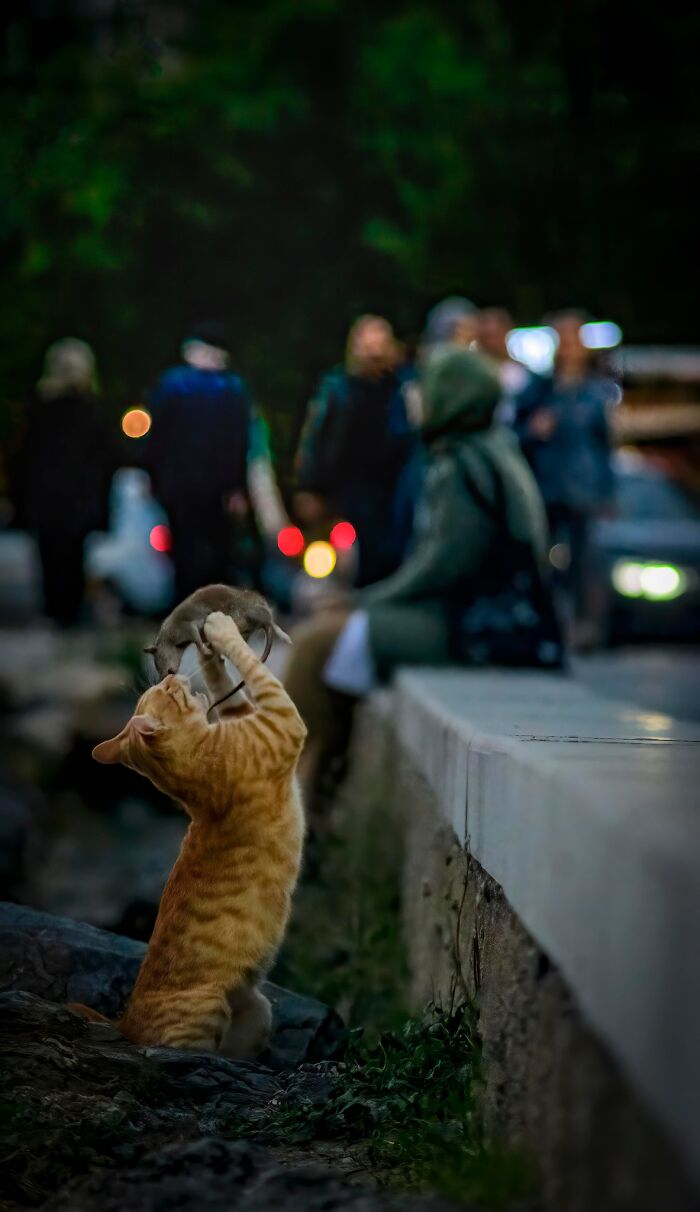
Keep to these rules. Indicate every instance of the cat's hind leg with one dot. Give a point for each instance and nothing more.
(248, 1032)
(193, 1019)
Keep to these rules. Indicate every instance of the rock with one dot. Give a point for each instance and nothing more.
(108, 868)
(47, 728)
(91, 1122)
(77, 1093)
(222, 1176)
(20, 810)
(67, 961)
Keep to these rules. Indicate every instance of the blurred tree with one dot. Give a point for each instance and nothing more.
(288, 164)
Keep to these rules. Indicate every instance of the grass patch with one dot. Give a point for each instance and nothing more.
(408, 1098)
(406, 1089)
(344, 943)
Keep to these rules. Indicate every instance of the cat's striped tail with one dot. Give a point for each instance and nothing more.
(87, 1012)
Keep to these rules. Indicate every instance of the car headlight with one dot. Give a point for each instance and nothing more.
(653, 581)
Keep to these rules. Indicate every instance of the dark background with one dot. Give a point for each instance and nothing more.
(287, 165)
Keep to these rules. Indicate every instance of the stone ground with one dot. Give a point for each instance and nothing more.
(88, 1121)
(89, 1118)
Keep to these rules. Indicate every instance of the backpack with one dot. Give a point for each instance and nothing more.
(513, 621)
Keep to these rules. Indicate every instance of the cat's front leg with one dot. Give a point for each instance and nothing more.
(271, 699)
(223, 635)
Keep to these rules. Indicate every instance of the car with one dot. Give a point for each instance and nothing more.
(644, 560)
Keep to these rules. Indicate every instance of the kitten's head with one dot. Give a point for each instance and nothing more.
(161, 736)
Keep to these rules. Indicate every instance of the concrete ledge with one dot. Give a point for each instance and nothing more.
(585, 812)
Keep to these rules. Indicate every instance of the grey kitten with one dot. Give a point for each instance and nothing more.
(184, 624)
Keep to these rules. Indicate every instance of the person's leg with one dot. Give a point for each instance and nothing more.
(319, 706)
(410, 633)
(586, 630)
(63, 575)
(560, 534)
(378, 551)
(579, 531)
(199, 546)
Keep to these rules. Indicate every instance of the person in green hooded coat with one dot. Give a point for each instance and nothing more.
(472, 588)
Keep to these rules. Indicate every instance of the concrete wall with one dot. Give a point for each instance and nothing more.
(552, 1082)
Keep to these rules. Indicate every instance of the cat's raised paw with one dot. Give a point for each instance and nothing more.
(220, 630)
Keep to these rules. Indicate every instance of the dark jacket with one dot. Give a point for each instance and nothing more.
(356, 438)
(572, 467)
(198, 445)
(356, 451)
(65, 465)
(478, 496)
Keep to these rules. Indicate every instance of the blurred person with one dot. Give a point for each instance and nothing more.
(493, 326)
(64, 472)
(452, 321)
(207, 454)
(356, 442)
(563, 427)
(473, 587)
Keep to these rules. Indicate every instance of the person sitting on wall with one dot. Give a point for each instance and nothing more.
(473, 587)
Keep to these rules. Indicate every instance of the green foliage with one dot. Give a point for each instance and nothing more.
(408, 1100)
(356, 962)
(404, 1095)
(287, 165)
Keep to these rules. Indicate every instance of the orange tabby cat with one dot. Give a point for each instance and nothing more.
(225, 906)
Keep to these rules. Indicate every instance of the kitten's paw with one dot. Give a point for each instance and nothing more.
(221, 631)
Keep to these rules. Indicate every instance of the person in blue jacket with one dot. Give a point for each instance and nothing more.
(197, 455)
(562, 422)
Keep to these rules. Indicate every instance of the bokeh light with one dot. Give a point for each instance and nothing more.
(601, 334)
(662, 582)
(160, 538)
(290, 541)
(655, 582)
(343, 536)
(534, 347)
(136, 422)
(319, 560)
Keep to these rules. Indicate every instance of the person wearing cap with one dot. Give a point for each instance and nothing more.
(63, 473)
(207, 448)
(473, 587)
(452, 321)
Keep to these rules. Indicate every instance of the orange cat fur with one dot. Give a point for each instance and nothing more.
(225, 906)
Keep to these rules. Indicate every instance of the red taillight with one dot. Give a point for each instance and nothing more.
(160, 538)
(290, 541)
(343, 536)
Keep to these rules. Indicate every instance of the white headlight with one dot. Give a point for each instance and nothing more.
(655, 582)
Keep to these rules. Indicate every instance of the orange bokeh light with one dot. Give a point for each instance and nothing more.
(136, 422)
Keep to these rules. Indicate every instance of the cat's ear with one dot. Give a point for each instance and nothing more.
(109, 752)
(145, 725)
